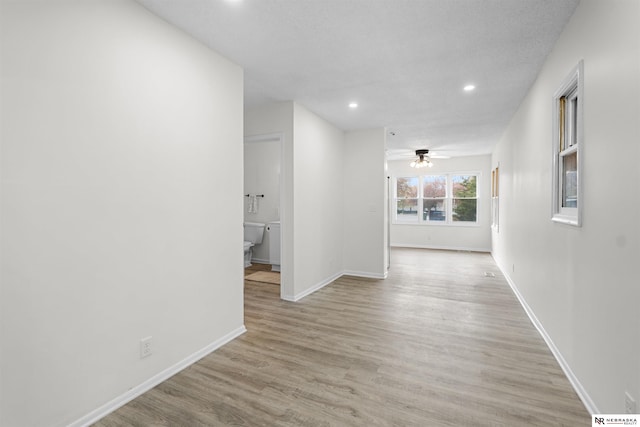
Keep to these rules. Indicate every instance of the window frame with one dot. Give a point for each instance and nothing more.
(453, 197)
(448, 201)
(396, 199)
(495, 198)
(567, 139)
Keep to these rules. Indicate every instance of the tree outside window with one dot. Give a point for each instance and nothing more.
(434, 193)
(442, 199)
(407, 198)
(465, 201)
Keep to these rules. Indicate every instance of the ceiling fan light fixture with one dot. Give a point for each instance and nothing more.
(422, 161)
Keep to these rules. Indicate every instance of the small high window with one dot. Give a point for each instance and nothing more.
(567, 143)
(495, 198)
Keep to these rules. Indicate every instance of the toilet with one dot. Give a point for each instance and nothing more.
(253, 234)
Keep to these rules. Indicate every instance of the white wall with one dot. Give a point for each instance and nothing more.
(438, 236)
(582, 283)
(121, 139)
(318, 187)
(318, 171)
(364, 203)
(262, 160)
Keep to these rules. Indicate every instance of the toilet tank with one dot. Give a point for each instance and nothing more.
(253, 232)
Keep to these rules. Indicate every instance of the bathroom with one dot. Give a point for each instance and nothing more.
(262, 166)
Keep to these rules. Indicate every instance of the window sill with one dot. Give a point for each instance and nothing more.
(567, 220)
(436, 224)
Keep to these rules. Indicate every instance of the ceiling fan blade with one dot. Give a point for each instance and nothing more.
(399, 153)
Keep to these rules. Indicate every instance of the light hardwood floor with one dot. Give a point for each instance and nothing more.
(435, 344)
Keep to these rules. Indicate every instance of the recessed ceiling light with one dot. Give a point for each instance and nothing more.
(469, 88)
(353, 105)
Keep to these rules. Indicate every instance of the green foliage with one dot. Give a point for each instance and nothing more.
(464, 188)
(465, 204)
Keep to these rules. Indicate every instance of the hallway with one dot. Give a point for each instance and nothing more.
(440, 342)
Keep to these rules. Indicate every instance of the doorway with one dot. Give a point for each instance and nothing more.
(263, 199)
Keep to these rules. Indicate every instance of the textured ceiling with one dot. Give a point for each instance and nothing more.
(404, 62)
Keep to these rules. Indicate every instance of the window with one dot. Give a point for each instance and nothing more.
(465, 200)
(434, 198)
(495, 198)
(442, 199)
(407, 199)
(567, 142)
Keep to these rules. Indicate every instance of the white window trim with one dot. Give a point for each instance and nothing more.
(495, 198)
(573, 82)
(449, 200)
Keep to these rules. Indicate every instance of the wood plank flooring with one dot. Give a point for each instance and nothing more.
(436, 344)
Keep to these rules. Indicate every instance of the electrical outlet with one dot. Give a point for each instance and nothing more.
(145, 347)
(629, 404)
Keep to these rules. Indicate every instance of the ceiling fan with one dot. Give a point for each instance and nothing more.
(423, 159)
(406, 153)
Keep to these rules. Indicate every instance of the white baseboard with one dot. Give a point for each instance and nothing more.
(575, 383)
(365, 274)
(131, 394)
(438, 247)
(288, 297)
(313, 288)
(325, 282)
